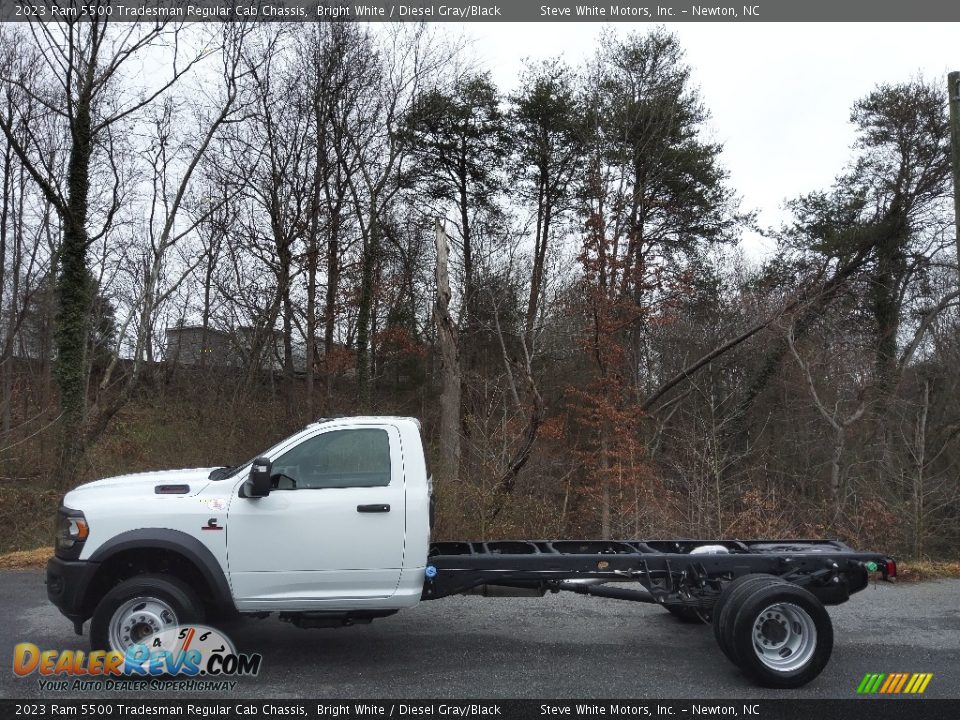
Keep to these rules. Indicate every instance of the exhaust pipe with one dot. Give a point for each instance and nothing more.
(607, 591)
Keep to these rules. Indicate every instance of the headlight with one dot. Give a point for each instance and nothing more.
(72, 530)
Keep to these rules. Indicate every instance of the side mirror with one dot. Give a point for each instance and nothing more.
(258, 484)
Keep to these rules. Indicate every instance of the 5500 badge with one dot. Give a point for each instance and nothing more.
(186, 650)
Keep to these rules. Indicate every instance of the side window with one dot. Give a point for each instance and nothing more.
(336, 459)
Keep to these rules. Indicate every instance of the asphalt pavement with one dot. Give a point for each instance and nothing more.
(560, 646)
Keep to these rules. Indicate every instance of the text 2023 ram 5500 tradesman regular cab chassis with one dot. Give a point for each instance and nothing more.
(349, 502)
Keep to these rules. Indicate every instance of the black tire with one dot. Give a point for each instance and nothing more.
(175, 593)
(806, 611)
(729, 599)
(687, 614)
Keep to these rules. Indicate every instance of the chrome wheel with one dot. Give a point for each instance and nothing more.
(137, 619)
(784, 637)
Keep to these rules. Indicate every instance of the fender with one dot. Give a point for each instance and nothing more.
(177, 541)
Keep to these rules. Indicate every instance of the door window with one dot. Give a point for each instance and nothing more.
(335, 459)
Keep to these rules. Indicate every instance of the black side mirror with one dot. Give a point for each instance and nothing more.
(258, 484)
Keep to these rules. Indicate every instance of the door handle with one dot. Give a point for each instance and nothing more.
(373, 508)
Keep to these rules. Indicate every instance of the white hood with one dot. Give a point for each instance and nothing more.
(141, 484)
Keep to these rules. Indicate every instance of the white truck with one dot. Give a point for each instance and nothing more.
(331, 527)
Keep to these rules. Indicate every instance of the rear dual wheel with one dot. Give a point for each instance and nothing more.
(777, 633)
(729, 602)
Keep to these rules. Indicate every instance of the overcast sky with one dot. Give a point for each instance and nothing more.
(780, 93)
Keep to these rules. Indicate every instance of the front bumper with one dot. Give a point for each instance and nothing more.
(67, 585)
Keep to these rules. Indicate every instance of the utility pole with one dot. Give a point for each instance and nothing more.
(953, 92)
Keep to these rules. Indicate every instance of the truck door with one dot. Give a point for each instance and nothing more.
(332, 527)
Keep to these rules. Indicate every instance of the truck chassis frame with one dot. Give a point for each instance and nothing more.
(765, 598)
(669, 570)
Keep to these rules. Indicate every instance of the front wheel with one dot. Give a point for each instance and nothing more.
(782, 636)
(140, 607)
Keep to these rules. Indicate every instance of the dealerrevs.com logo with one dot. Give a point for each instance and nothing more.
(184, 657)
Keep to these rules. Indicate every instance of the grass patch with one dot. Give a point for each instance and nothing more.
(27, 514)
(917, 570)
(24, 559)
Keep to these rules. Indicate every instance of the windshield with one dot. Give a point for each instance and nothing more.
(222, 473)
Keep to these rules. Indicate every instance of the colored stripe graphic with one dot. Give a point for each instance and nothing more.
(894, 683)
(901, 682)
(891, 682)
(870, 683)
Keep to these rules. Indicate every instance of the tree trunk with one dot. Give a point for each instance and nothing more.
(886, 299)
(6, 352)
(288, 344)
(544, 217)
(836, 469)
(468, 316)
(205, 316)
(73, 293)
(311, 352)
(365, 308)
(449, 465)
(330, 301)
(604, 487)
(919, 479)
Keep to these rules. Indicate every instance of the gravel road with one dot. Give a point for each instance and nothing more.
(563, 646)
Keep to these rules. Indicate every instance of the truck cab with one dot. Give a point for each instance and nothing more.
(332, 522)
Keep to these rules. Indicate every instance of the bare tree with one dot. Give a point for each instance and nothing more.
(88, 60)
(838, 420)
(403, 64)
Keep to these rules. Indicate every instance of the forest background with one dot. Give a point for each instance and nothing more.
(211, 235)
